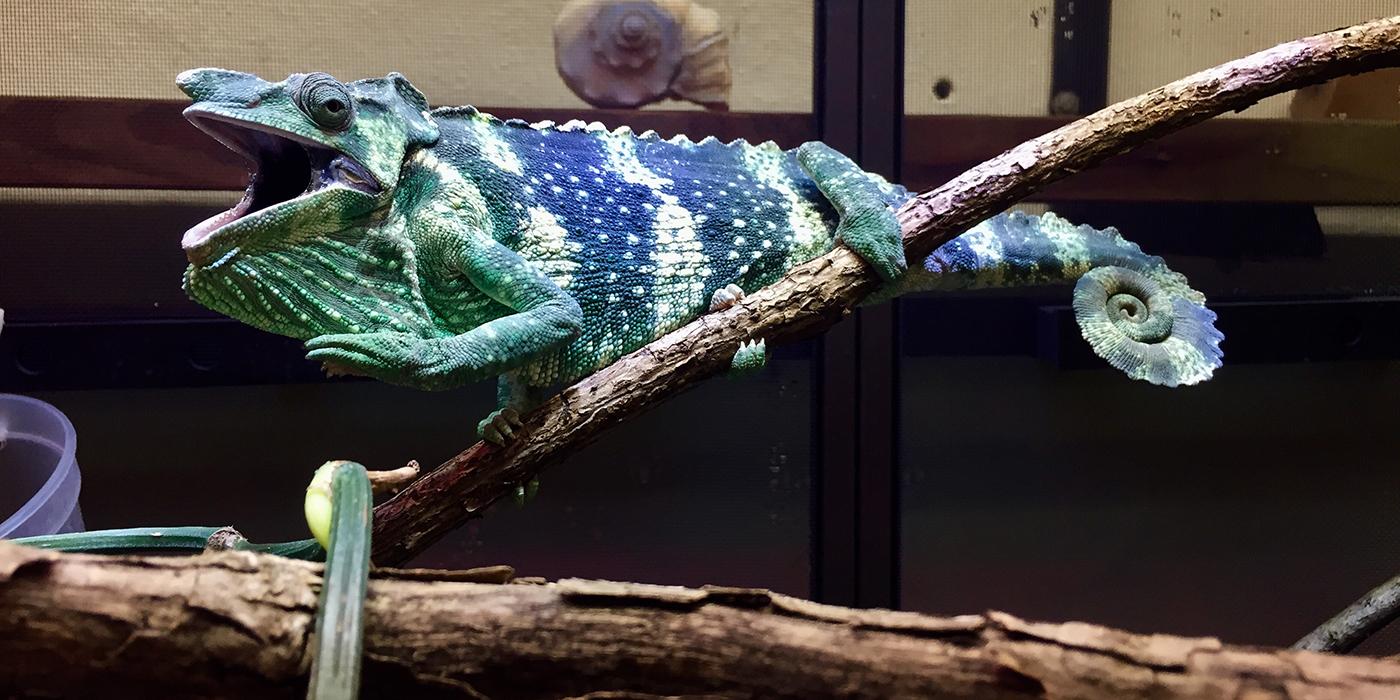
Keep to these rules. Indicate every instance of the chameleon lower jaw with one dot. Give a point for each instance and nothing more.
(282, 170)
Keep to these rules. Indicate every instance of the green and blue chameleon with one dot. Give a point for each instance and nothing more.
(437, 247)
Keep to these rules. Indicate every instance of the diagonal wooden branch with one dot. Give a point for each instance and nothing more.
(816, 295)
(1353, 625)
(238, 624)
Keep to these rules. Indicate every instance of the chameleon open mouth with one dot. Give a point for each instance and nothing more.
(285, 168)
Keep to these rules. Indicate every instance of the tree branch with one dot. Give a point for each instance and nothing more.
(239, 624)
(816, 295)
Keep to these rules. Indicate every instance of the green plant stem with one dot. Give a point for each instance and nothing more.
(335, 667)
(148, 539)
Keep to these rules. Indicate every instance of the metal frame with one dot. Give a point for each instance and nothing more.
(834, 511)
(855, 533)
(1079, 57)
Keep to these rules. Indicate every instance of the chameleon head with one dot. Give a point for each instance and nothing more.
(315, 146)
(325, 158)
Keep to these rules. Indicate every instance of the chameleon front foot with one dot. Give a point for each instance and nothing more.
(750, 358)
(499, 427)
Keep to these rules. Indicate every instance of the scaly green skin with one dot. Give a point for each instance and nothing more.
(542, 253)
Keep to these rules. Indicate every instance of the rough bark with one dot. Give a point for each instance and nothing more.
(816, 295)
(238, 624)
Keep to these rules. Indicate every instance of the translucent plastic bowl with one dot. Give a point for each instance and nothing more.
(39, 479)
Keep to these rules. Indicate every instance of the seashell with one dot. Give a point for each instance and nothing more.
(628, 53)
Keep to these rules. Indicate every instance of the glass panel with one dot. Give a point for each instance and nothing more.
(1039, 480)
(700, 490)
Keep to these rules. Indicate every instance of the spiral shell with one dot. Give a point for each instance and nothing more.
(628, 53)
(1147, 329)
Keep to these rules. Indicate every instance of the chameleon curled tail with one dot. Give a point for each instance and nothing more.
(1135, 312)
(1149, 329)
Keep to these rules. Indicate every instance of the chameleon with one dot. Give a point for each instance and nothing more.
(435, 247)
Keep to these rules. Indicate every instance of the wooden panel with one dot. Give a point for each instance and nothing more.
(147, 144)
(117, 143)
(1222, 160)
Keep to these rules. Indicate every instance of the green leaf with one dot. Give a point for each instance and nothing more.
(192, 539)
(132, 539)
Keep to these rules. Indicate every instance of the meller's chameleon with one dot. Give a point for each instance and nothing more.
(432, 248)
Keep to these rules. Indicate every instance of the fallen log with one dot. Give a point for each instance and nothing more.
(239, 624)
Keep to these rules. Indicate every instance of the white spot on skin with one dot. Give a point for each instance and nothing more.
(495, 149)
(680, 260)
(740, 223)
(622, 159)
(811, 235)
(547, 243)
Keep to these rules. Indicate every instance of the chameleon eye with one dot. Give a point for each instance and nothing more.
(326, 101)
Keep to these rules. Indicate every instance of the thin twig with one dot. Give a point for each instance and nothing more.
(814, 296)
(391, 481)
(1357, 622)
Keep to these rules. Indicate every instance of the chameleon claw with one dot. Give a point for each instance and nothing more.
(751, 357)
(526, 492)
(499, 427)
(724, 298)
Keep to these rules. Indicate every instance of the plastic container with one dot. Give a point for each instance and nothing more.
(39, 478)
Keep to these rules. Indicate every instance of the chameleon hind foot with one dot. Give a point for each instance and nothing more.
(724, 298)
(751, 356)
(499, 427)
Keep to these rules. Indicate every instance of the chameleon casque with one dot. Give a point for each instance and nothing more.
(433, 248)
